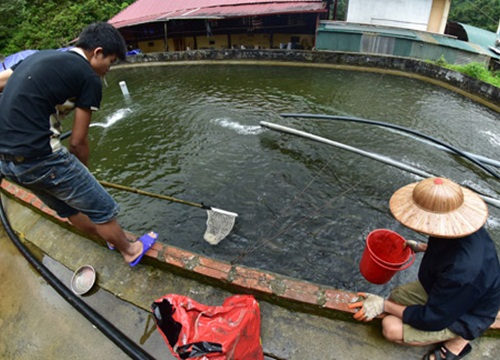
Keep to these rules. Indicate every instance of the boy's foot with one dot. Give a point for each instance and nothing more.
(147, 241)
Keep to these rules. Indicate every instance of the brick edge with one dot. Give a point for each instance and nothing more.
(289, 292)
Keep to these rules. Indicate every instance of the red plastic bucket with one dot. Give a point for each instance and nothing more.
(385, 254)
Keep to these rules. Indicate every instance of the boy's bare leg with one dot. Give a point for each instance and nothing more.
(392, 328)
(110, 232)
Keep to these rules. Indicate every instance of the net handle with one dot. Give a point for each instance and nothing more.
(213, 239)
(150, 194)
(157, 196)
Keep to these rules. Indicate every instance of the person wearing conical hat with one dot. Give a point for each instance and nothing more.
(457, 295)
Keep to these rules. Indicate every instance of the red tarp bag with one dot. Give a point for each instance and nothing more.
(196, 331)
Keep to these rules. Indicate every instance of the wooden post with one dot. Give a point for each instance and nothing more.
(165, 47)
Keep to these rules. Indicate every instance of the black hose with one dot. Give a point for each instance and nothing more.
(108, 329)
(401, 128)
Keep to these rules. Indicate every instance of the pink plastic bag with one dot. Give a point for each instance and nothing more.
(196, 331)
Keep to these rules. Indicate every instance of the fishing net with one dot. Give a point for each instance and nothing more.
(219, 225)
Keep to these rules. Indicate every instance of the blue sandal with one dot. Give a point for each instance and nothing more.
(147, 242)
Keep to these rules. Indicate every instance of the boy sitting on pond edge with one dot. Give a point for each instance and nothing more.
(36, 93)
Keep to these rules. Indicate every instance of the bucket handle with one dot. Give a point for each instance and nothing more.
(404, 267)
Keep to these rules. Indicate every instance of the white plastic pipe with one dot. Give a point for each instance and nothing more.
(123, 86)
(368, 154)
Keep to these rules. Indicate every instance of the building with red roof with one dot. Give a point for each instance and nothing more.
(169, 25)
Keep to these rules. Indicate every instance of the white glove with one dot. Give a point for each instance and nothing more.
(369, 308)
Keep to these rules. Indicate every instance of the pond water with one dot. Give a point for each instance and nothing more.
(305, 208)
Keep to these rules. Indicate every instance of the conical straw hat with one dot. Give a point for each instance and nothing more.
(439, 207)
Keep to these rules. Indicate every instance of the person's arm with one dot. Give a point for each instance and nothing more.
(4, 76)
(446, 302)
(416, 246)
(78, 143)
(369, 306)
(394, 309)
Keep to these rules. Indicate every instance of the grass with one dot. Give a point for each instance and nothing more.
(475, 70)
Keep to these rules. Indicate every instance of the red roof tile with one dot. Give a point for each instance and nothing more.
(144, 11)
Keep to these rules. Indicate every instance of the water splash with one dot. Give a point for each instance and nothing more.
(494, 139)
(113, 118)
(239, 128)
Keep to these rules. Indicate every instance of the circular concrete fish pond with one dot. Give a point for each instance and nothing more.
(305, 208)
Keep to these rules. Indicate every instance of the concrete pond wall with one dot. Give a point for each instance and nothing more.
(479, 91)
(286, 292)
(290, 293)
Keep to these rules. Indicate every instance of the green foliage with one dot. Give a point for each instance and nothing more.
(475, 70)
(50, 24)
(10, 13)
(483, 14)
(441, 61)
(341, 12)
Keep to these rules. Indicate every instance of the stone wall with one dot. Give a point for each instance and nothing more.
(479, 90)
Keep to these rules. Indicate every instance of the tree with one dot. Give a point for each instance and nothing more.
(483, 14)
(10, 13)
(50, 24)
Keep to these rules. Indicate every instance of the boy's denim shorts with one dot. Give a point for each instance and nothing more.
(64, 184)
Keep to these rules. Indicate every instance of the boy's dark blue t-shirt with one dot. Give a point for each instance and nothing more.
(31, 105)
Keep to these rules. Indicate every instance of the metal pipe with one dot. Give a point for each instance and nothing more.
(476, 159)
(370, 155)
(108, 329)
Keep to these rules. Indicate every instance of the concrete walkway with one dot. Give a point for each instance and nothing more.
(286, 334)
(37, 323)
